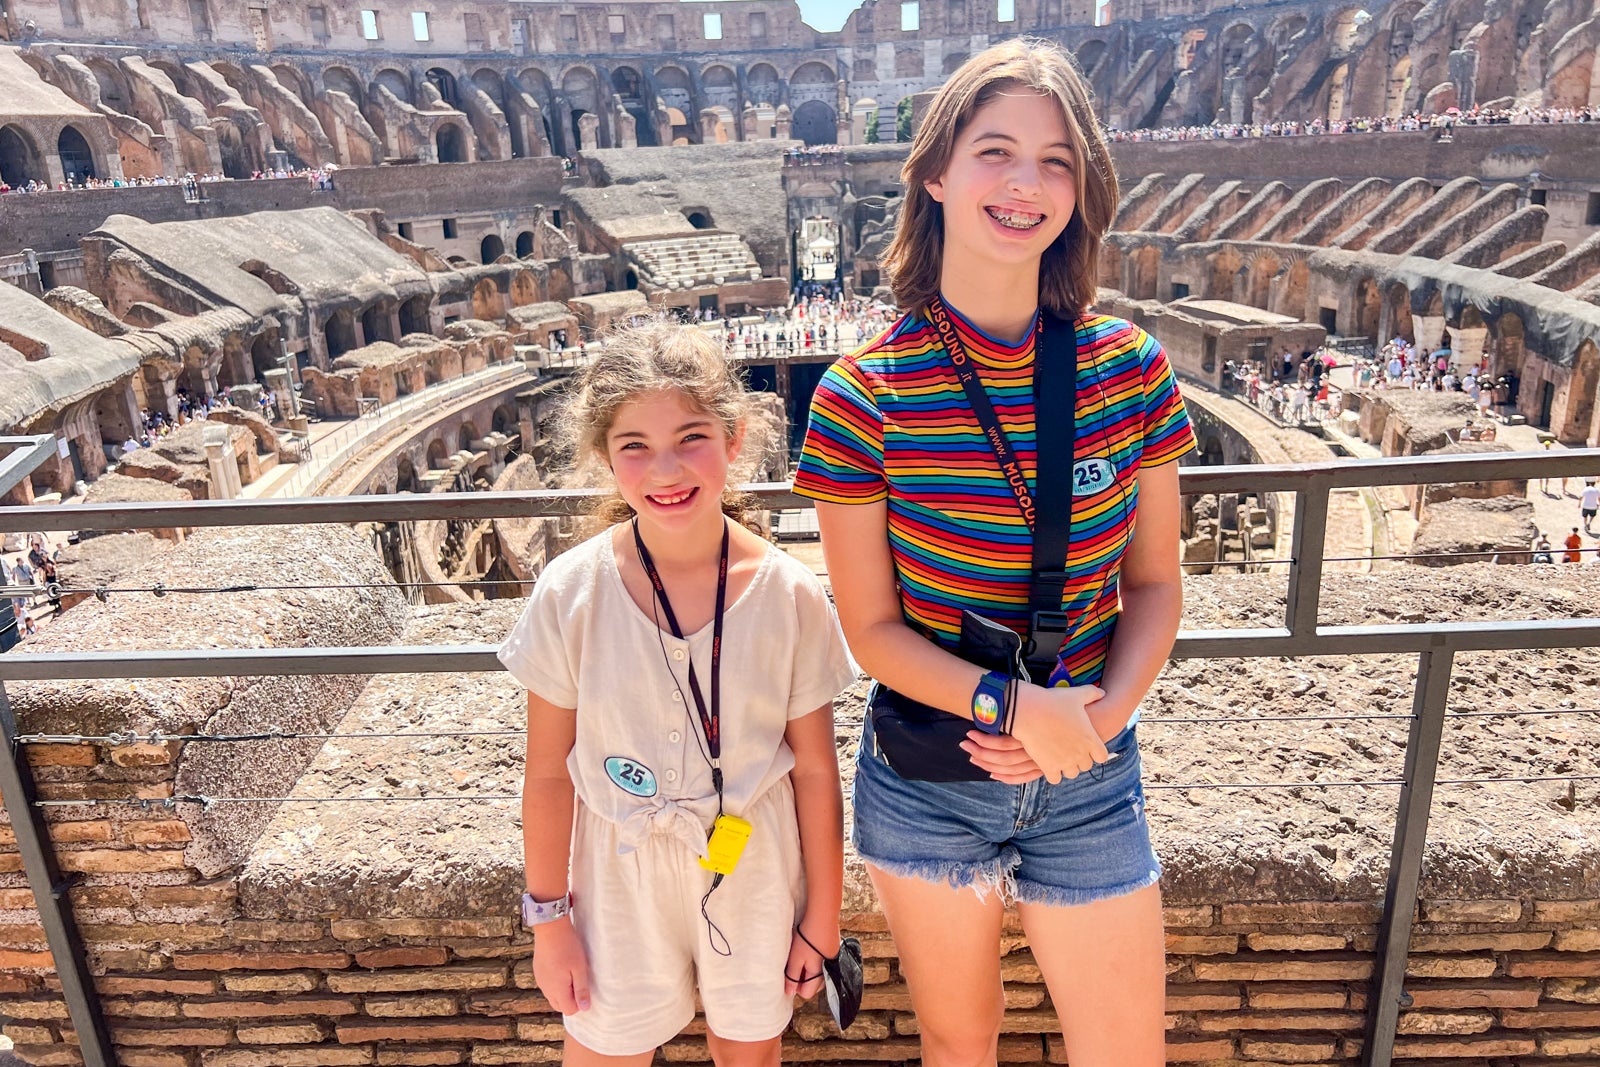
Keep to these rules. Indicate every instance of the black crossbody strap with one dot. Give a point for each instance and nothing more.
(1055, 393)
(1047, 509)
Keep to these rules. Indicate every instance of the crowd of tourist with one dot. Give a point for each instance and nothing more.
(34, 565)
(1453, 117)
(1400, 364)
(815, 153)
(1291, 388)
(320, 178)
(157, 423)
(820, 324)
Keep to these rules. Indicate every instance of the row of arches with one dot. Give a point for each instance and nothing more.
(22, 160)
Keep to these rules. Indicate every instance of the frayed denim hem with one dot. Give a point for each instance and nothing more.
(998, 875)
(1037, 893)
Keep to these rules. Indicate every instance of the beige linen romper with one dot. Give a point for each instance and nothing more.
(646, 800)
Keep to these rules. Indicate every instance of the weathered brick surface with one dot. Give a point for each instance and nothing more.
(402, 957)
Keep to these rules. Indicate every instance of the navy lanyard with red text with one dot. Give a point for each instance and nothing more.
(710, 718)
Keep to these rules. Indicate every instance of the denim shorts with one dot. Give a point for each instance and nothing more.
(1082, 840)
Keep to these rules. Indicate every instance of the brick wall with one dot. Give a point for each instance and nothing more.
(188, 978)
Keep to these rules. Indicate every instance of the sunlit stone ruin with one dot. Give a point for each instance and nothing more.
(387, 236)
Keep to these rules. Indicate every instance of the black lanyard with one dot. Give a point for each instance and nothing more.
(710, 719)
(978, 397)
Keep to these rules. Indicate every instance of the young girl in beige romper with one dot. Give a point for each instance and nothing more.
(679, 667)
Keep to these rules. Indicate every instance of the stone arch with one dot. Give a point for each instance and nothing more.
(375, 323)
(1369, 308)
(438, 454)
(952, 63)
(1342, 29)
(1146, 272)
(1295, 297)
(524, 290)
(1398, 89)
(1235, 42)
(1338, 93)
(20, 161)
(179, 76)
(466, 433)
(535, 83)
(396, 82)
(524, 244)
(295, 80)
(235, 76)
(1509, 345)
(700, 218)
(491, 84)
(1573, 84)
(340, 333)
(77, 158)
(343, 80)
(263, 355)
(815, 123)
(719, 87)
(627, 84)
(1225, 269)
(405, 479)
(415, 316)
(1110, 267)
(445, 83)
(1284, 30)
(674, 88)
(1401, 323)
(114, 90)
(1581, 393)
(1264, 268)
(764, 85)
(504, 419)
(581, 89)
(812, 80)
(486, 301)
(450, 143)
(491, 248)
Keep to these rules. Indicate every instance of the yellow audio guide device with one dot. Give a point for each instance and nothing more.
(729, 835)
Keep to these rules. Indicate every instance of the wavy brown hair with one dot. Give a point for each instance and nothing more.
(1069, 269)
(637, 361)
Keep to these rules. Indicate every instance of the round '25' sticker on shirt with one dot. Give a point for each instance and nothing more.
(1091, 476)
(631, 776)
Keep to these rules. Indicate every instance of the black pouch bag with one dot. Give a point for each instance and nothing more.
(922, 743)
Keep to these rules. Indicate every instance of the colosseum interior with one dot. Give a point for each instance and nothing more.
(388, 234)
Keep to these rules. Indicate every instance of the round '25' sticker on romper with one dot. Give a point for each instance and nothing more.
(631, 776)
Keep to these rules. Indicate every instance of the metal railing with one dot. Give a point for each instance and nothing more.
(1301, 634)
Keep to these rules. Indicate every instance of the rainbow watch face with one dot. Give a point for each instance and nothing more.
(986, 709)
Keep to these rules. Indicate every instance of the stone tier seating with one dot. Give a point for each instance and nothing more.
(685, 262)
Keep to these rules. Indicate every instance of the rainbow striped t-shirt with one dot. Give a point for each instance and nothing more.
(891, 421)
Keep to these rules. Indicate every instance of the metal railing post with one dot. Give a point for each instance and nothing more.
(1387, 995)
(50, 895)
(1305, 566)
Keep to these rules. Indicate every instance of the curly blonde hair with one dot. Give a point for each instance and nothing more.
(1069, 269)
(636, 361)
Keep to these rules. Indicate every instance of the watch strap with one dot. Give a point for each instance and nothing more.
(989, 702)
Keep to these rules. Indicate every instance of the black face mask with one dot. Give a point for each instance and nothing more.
(841, 981)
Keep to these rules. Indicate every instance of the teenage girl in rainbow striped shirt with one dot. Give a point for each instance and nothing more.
(1009, 193)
